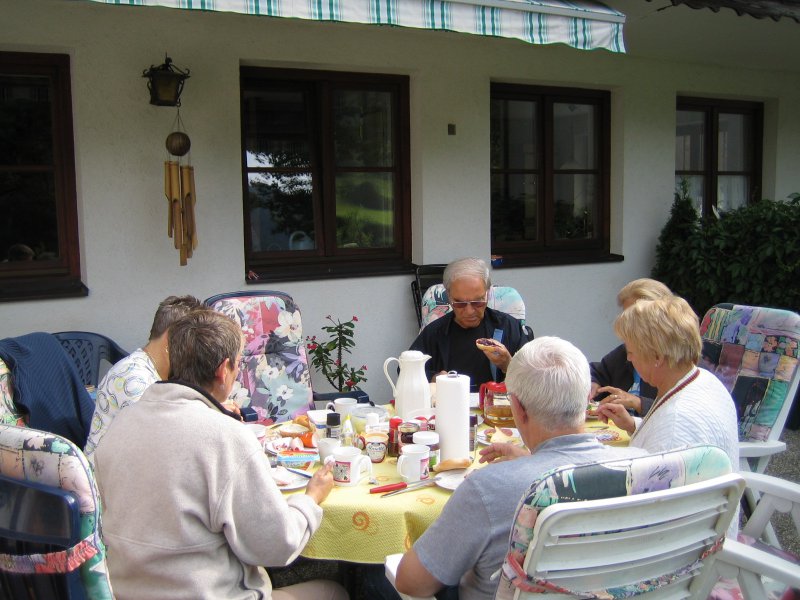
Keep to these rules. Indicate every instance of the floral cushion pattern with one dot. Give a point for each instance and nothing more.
(609, 479)
(504, 299)
(753, 351)
(49, 459)
(274, 378)
(9, 415)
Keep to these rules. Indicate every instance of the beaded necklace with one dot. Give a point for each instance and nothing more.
(665, 398)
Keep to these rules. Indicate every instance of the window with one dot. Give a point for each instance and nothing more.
(718, 152)
(39, 228)
(549, 175)
(325, 173)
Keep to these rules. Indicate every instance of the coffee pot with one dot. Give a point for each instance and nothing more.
(412, 392)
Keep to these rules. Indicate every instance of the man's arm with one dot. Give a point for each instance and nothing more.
(414, 579)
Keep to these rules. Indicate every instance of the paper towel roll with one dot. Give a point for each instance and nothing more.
(452, 415)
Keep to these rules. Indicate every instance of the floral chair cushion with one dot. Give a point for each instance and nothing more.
(753, 351)
(41, 457)
(609, 479)
(501, 298)
(9, 415)
(274, 378)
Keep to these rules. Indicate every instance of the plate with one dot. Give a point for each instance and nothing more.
(482, 439)
(606, 436)
(450, 480)
(297, 483)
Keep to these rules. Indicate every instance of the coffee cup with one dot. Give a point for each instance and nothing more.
(326, 446)
(376, 445)
(349, 465)
(343, 406)
(412, 465)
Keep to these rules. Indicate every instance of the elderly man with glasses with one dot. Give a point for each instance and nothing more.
(451, 340)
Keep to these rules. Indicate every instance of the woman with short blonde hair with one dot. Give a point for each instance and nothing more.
(692, 406)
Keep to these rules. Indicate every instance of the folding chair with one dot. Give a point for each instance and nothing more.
(88, 350)
(424, 277)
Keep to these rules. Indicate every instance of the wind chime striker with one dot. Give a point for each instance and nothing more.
(180, 192)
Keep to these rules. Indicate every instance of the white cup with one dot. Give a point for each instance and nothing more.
(412, 465)
(343, 406)
(349, 465)
(326, 446)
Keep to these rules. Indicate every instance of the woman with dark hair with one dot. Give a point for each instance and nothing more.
(189, 505)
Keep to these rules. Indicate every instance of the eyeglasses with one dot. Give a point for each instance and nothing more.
(465, 303)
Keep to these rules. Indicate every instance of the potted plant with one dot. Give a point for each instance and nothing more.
(326, 355)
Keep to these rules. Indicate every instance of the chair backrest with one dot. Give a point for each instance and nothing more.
(88, 350)
(617, 526)
(274, 375)
(424, 277)
(753, 350)
(49, 519)
(502, 298)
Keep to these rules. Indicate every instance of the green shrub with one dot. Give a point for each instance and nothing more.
(750, 255)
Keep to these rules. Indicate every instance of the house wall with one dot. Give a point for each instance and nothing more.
(129, 264)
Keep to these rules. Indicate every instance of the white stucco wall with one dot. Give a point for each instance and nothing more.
(129, 264)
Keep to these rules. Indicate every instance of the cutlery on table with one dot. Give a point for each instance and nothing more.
(412, 487)
(300, 472)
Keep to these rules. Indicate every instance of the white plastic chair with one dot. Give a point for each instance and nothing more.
(758, 569)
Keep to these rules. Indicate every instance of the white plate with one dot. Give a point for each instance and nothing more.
(297, 483)
(270, 446)
(481, 436)
(450, 480)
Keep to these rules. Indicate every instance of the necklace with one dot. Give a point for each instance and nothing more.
(665, 398)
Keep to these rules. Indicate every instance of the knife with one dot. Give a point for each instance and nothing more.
(412, 487)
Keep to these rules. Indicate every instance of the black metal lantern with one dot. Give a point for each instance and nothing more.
(165, 83)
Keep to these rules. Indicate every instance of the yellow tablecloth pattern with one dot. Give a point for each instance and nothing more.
(361, 527)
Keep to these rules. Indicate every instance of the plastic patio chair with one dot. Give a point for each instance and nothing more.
(622, 525)
(752, 569)
(435, 304)
(424, 277)
(88, 350)
(753, 351)
(50, 544)
(274, 378)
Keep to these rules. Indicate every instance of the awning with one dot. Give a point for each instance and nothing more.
(583, 24)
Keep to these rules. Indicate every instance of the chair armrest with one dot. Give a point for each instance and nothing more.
(757, 449)
(736, 557)
(768, 484)
(772, 494)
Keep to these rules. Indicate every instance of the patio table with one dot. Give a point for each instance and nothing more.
(361, 527)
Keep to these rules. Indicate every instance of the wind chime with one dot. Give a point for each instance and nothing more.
(165, 83)
(180, 192)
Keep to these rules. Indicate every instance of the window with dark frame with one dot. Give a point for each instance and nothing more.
(549, 175)
(39, 251)
(325, 162)
(718, 149)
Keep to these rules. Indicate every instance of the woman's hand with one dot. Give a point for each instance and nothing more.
(618, 414)
(321, 484)
(617, 396)
(498, 452)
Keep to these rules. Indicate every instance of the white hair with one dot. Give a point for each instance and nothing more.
(466, 267)
(550, 378)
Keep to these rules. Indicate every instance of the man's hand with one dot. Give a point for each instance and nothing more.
(498, 355)
(321, 484)
(618, 414)
(618, 396)
(498, 452)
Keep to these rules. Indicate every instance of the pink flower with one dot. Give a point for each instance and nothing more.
(355, 318)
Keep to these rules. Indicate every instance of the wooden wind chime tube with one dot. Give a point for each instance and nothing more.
(181, 199)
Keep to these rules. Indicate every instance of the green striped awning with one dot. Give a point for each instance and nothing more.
(582, 24)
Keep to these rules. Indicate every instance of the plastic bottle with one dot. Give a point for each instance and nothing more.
(347, 432)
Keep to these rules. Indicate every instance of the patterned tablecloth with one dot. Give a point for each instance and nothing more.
(361, 527)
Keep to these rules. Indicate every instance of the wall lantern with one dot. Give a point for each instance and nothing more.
(165, 83)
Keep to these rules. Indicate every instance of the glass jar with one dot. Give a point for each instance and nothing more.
(496, 405)
(405, 432)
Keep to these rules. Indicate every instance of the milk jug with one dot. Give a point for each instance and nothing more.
(412, 392)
